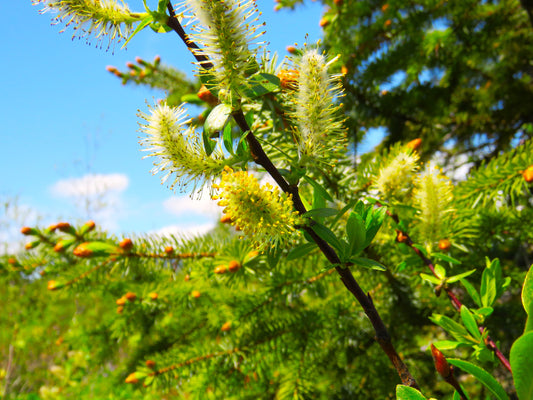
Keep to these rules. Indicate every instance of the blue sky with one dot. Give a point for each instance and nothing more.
(64, 117)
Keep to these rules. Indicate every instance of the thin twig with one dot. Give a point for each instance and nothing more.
(406, 239)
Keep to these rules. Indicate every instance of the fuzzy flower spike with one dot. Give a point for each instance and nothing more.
(178, 148)
(261, 212)
(225, 31)
(395, 176)
(101, 19)
(321, 135)
(433, 196)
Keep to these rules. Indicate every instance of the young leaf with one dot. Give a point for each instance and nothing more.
(444, 257)
(408, 393)
(228, 139)
(472, 292)
(321, 212)
(430, 279)
(458, 331)
(483, 376)
(261, 84)
(355, 229)
(456, 278)
(522, 365)
(144, 23)
(327, 235)
(447, 344)
(527, 291)
(470, 322)
(373, 222)
(318, 188)
(301, 251)
(368, 263)
(487, 289)
(217, 119)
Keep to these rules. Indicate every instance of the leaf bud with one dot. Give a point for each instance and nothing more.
(130, 296)
(66, 228)
(126, 244)
(121, 301)
(169, 250)
(226, 327)
(226, 219)
(234, 266)
(32, 245)
(221, 269)
(528, 174)
(444, 244)
(414, 144)
(120, 309)
(26, 230)
(87, 227)
(54, 285)
(401, 237)
(441, 365)
(150, 364)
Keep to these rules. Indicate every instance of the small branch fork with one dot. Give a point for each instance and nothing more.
(259, 156)
(406, 239)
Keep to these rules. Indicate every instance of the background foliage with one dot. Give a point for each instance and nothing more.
(210, 317)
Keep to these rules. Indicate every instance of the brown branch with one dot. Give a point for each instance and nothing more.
(260, 157)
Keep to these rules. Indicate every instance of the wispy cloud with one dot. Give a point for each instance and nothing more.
(95, 196)
(91, 185)
(184, 230)
(185, 206)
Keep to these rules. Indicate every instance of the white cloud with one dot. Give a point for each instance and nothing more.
(96, 196)
(185, 206)
(184, 230)
(91, 185)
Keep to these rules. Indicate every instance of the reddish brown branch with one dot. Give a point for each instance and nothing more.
(406, 239)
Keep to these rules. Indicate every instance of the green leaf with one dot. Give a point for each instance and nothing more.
(487, 289)
(404, 392)
(458, 331)
(456, 278)
(228, 139)
(191, 98)
(447, 344)
(483, 376)
(327, 235)
(527, 291)
(522, 366)
(143, 24)
(472, 292)
(300, 251)
(160, 27)
(444, 257)
(431, 278)
(368, 263)
(373, 222)
(318, 188)
(217, 119)
(355, 229)
(209, 144)
(261, 84)
(440, 271)
(321, 212)
(470, 322)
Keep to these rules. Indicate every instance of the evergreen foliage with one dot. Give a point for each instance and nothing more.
(435, 288)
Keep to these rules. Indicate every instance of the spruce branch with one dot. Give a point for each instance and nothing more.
(260, 157)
